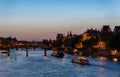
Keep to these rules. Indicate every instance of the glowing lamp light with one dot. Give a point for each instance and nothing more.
(115, 59)
(75, 50)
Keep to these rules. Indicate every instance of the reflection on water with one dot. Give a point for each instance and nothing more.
(15, 58)
(105, 58)
(8, 57)
(27, 53)
(101, 69)
(63, 59)
(45, 57)
(102, 58)
(37, 65)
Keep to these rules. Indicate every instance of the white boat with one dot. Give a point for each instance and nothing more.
(80, 60)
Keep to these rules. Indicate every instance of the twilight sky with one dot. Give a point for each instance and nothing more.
(39, 19)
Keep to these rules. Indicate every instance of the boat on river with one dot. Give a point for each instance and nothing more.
(4, 51)
(58, 54)
(80, 60)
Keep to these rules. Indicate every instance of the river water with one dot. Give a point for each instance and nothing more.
(35, 65)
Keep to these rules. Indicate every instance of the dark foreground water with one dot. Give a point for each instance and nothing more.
(35, 65)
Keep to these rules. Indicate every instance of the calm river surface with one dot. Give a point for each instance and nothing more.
(35, 65)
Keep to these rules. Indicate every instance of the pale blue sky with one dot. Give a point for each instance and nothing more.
(38, 19)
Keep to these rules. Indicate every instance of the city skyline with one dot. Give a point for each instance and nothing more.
(41, 19)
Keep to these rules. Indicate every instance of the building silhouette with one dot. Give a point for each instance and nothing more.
(106, 29)
(59, 36)
(116, 29)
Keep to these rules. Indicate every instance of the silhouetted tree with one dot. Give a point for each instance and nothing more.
(115, 42)
(107, 37)
(91, 42)
(57, 43)
(45, 42)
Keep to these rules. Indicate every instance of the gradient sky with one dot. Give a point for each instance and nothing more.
(39, 19)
